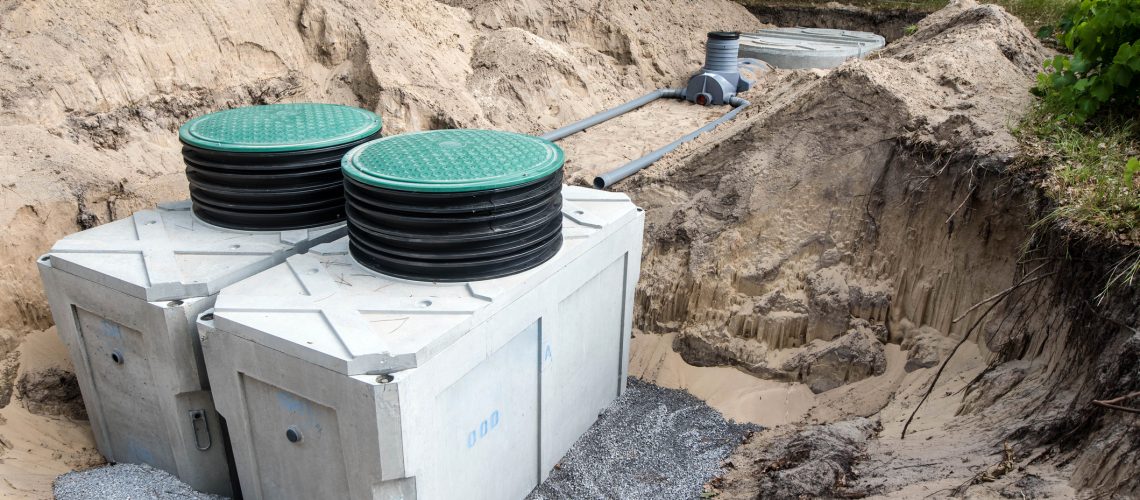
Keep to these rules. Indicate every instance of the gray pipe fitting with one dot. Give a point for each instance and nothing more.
(721, 50)
(719, 79)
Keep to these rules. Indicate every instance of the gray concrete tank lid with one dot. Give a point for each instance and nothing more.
(167, 254)
(330, 311)
(792, 48)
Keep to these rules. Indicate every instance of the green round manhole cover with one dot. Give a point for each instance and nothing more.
(452, 161)
(279, 128)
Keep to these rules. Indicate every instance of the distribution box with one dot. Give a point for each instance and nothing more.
(340, 382)
(125, 297)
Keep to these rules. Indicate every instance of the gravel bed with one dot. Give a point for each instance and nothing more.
(651, 443)
(124, 482)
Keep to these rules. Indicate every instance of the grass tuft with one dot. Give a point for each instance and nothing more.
(1089, 169)
(1092, 173)
(1038, 14)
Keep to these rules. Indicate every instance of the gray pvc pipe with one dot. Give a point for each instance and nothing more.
(632, 167)
(612, 113)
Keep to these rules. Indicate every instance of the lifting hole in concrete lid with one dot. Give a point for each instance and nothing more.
(312, 271)
(150, 222)
(174, 303)
(424, 303)
(639, 209)
(117, 357)
(579, 212)
(207, 317)
(45, 258)
(384, 379)
(235, 247)
(293, 435)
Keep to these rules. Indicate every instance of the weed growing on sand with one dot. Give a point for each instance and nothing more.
(1092, 170)
(1092, 173)
(1040, 16)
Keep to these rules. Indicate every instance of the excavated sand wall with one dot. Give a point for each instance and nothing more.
(879, 197)
(854, 194)
(1061, 343)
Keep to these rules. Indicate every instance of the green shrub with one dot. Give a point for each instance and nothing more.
(1104, 68)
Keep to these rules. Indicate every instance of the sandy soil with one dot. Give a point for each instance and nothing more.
(737, 395)
(34, 449)
(607, 146)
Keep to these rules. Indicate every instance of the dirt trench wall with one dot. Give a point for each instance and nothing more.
(1060, 343)
(867, 193)
(883, 196)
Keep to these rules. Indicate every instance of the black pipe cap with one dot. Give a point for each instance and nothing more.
(724, 35)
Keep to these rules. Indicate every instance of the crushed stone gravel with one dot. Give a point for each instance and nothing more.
(124, 482)
(650, 443)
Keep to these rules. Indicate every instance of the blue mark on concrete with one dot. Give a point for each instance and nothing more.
(485, 426)
(299, 407)
(139, 452)
(111, 329)
(547, 354)
(290, 403)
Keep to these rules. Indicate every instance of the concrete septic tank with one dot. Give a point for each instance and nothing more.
(796, 48)
(265, 183)
(341, 382)
(125, 296)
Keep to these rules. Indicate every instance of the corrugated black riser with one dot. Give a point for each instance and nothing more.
(455, 236)
(268, 191)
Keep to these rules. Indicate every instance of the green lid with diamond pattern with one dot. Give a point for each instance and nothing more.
(445, 161)
(279, 128)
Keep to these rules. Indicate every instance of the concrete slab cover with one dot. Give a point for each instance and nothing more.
(168, 254)
(792, 48)
(327, 309)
